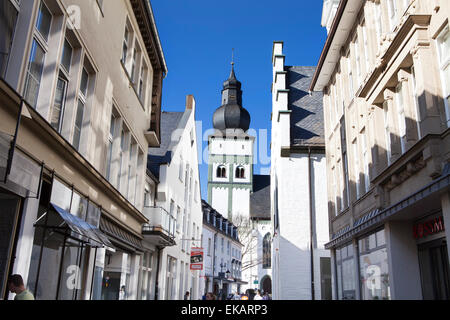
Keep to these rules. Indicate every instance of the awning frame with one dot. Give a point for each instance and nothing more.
(378, 217)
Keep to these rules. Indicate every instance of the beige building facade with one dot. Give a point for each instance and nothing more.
(80, 104)
(385, 75)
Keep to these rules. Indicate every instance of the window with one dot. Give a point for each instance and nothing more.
(267, 255)
(378, 23)
(444, 64)
(240, 172)
(142, 82)
(365, 159)
(84, 83)
(78, 125)
(132, 164)
(374, 271)
(61, 87)
(121, 150)
(147, 196)
(350, 76)
(209, 247)
(387, 131)
(356, 167)
(140, 163)
(392, 11)
(181, 169)
(44, 20)
(401, 115)
(7, 27)
(335, 191)
(58, 105)
(125, 45)
(416, 103)
(110, 147)
(221, 172)
(358, 61)
(346, 273)
(335, 97)
(34, 73)
(66, 58)
(146, 276)
(178, 218)
(366, 47)
(345, 191)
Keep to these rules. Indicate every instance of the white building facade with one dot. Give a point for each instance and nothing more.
(301, 265)
(178, 203)
(221, 274)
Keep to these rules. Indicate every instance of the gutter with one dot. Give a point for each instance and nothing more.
(148, 6)
(328, 43)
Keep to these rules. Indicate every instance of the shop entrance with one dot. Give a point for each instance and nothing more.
(9, 213)
(434, 269)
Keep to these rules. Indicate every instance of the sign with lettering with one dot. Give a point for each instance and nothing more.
(197, 259)
(427, 228)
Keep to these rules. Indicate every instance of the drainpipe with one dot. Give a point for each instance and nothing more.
(160, 250)
(311, 223)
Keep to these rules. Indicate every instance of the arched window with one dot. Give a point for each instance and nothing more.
(221, 172)
(240, 172)
(267, 254)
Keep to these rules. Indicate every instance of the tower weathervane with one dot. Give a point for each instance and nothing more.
(232, 56)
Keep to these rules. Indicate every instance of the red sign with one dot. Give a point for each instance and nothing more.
(197, 259)
(428, 228)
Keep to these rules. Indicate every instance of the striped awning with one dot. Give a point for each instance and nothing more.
(119, 236)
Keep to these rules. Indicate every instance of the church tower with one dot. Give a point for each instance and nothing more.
(230, 172)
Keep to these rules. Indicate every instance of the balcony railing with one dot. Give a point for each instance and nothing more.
(160, 222)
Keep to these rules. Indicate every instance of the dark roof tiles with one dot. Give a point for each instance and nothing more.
(307, 127)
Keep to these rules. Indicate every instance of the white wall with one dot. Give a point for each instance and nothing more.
(172, 188)
(241, 202)
(291, 244)
(220, 200)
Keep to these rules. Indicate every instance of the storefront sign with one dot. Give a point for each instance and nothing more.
(197, 259)
(429, 227)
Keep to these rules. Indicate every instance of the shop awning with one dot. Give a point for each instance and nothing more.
(378, 217)
(120, 237)
(95, 237)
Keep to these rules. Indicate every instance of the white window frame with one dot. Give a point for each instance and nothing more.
(356, 167)
(365, 150)
(399, 101)
(387, 131)
(444, 64)
(392, 13)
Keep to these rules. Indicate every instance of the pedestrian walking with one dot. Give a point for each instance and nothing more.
(258, 295)
(16, 285)
(186, 296)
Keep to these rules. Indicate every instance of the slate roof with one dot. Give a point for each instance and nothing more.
(260, 198)
(156, 156)
(213, 214)
(307, 127)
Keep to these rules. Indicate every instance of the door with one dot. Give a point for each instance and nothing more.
(434, 269)
(9, 215)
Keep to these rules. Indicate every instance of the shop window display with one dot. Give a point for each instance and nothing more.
(374, 271)
(345, 265)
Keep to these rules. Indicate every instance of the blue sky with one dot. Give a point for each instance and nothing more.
(198, 36)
